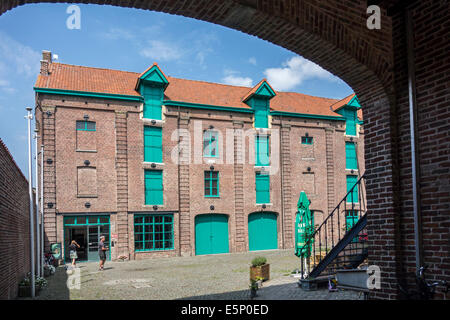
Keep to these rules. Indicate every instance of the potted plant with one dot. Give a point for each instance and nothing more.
(253, 288)
(25, 287)
(40, 283)
(259, 269)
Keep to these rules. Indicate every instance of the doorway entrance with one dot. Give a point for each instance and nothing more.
(86, 231)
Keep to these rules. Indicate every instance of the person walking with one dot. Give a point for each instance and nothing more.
(73, 252)
(102, 252)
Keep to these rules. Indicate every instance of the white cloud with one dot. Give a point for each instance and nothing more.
(231, 77)
(162, 51)
(294, 71)
(118, 33)
(252, 60)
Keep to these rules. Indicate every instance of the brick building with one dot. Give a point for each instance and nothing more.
(14, 225)
(165, 166)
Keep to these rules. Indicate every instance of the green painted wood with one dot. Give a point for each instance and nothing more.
(154, 75)
(262, 186)
(211, 184)
(350, 125)
(211, 234)
(262, 231)
(353, 196)
(261, 107)
(88, 94)
(153, 232)
(153, 96)
(351, 161)
(153, 144)
(262, 150)
(153, 187)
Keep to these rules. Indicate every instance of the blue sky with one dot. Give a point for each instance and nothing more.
(131, 40)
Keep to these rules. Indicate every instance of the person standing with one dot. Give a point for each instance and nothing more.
(73, 252)
(102, 252)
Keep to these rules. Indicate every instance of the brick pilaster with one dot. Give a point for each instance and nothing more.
(239, 216)
(122, 183)
(184, 190)
(285, 158)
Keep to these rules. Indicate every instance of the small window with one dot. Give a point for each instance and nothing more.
(211, 183)
(210, 140)
(84, 125)
(307, 140)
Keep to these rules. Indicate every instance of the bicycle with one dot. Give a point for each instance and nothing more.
(425, 290)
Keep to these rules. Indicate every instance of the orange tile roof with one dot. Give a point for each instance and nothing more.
(88, 79)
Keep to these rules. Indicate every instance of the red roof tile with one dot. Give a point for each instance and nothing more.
(88, 79)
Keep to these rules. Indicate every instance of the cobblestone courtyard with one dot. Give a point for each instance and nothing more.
(200, 277)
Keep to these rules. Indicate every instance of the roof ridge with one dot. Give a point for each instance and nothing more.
(97, 68)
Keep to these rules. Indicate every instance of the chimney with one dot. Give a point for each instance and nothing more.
(45, 62)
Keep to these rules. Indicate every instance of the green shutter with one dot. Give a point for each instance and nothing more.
(353, 196)
(262, 150)
(153, 144)
(261, 113)
(153, 187)
(262, 183)
(351, 161)
(350, 125)
(152, 102)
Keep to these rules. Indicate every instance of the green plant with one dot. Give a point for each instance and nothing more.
(258, 261)
(41, 282)
(253, 285)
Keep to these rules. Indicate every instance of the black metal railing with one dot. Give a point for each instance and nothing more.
(325, 250)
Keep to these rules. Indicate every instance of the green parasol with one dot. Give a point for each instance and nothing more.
(304, 227)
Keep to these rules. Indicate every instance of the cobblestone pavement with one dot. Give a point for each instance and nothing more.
(200, 277)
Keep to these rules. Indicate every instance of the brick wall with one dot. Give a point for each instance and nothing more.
(14, 225)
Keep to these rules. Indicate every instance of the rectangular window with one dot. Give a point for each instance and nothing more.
(261, 113)
(153, 187)
(350, 124)
(153, 144)
(262, 185)
(84, 125)
(262, 150)
(153, 232)
(211, 183)
(152, 102)
(351, 161)
(210, 142)
(307, 140)
(352, 196)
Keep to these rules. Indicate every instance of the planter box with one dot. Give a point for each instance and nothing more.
(261, 272)
(25, 291)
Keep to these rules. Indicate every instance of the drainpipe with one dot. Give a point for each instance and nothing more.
(37, 202)
(42, 210)
(414, 144)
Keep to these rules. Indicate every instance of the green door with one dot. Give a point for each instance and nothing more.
(211, 234)
(262, 231)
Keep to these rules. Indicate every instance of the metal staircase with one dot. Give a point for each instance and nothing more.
(340, 240)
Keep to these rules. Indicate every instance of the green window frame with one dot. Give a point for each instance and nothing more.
(153, 232)
(261, 113)
(153, 144)
(262, 150)
(353, 196)
(153, 96)
(153, 187)
(210, 143)
(307, 140)
(211, 184)
(84, 125)
(262, 186)
(351, 162)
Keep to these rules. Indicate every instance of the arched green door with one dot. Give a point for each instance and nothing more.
(211, 234)
(262, 231)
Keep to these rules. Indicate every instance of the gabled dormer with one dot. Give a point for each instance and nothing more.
(151, 85)
(259, 100)
(348, 108)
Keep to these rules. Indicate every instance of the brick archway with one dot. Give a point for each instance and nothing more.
(333, 34)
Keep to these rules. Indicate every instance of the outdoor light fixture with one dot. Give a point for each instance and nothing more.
(153, 121)
(351, 138)
(87, 204)
(211, 127)
(155, 207)
(263, 206)
(86, 116)
(87, 162)
(49, 113)
(50, 205)
(211, 207)
(49, 161)
(352, 171)
(309, 169)
(306, 134)
(153, 165)
(211, 168)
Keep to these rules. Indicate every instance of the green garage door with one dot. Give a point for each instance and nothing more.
(262, 231)
(211, 234)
